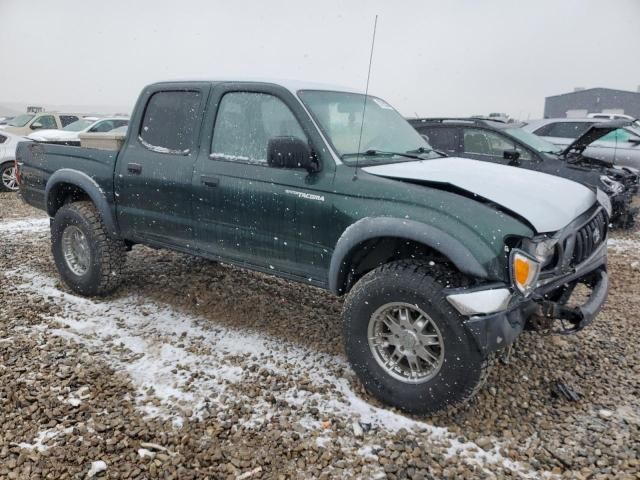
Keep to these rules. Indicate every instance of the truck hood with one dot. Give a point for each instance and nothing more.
(547, 202)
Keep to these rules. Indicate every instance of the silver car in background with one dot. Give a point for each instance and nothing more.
(620, 147)
(8, 144)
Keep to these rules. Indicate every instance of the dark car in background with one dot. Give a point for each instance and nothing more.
(506, 143)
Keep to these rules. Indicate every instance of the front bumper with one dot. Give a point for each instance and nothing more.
(497, 329)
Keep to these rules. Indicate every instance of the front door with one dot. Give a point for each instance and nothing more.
(155, 167)
(249, 211)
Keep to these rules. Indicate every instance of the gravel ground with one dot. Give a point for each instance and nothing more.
(194, 369)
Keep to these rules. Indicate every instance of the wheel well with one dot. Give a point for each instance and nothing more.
(62, 194)
(370, 254)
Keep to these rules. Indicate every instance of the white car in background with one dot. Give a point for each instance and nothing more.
(8, 144)
(69, 135)
(620, 147)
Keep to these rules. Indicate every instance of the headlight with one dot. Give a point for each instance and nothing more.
(524, 271)
(542, 249)
(611, 185)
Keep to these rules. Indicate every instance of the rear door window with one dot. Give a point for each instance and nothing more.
(564, 129)
(170, 121)
(67, 119)
(446, 139)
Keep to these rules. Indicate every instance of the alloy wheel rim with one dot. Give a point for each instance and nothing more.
(406, 342)
(75, 249)
(9, 179)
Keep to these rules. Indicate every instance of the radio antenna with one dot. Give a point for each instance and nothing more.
(366, 93)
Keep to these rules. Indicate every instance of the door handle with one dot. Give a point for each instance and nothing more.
(134, 168)
(209, 181)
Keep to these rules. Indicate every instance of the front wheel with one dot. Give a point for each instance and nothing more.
(89, 260)
(406, 343)
(8, 180)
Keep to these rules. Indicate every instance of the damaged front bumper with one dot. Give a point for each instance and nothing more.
(496, 315)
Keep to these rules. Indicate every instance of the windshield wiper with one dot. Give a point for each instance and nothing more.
(376, 153)
(427, 150)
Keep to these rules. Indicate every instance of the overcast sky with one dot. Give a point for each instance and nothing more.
(455, 57)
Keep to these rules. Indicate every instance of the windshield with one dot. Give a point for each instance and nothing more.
(78, 125)
(20, 120)
(384, 131)
(537, 143)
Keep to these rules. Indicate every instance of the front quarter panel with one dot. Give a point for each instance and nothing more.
(475, 229)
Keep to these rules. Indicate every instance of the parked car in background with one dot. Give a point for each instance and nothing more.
(620, 146)
(69, 135)
(8, 145)
(612, 116)
(442, 261)
(507, 144)
(28, 122)
(5, 120)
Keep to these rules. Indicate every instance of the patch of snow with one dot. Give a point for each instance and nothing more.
(96, 467)
(44, 436)
(25, 225)
(623, 244)
(143, 453)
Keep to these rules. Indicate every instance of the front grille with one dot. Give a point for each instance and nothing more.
(589, 238)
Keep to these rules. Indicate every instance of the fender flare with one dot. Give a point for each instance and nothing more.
(89, 185)
(373, 227)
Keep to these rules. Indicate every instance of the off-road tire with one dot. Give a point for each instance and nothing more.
(464, 368)
(4, 167)
(107, 254)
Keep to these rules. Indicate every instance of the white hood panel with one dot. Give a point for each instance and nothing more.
(548, 202)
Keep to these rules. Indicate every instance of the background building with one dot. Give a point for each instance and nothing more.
(580, 102)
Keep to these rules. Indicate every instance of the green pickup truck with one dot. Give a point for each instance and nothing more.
(443, 261)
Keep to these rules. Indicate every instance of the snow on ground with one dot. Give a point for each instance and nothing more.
(39, 443)
(25, 225)
(161, 348)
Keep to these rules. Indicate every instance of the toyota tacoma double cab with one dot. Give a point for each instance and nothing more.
(442, 261)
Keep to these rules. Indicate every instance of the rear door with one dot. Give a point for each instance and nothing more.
(248, 211)
(155, 167)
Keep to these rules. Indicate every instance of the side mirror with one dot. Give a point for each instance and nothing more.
(290, 152)
(512, 156)
(634, 140)
(36, 126)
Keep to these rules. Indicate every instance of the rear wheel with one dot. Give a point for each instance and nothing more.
(88, 259)
(406, 343)
(8, 180)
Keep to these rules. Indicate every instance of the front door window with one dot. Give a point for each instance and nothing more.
(244, 124)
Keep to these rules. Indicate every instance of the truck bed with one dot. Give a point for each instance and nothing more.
(38, 161)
